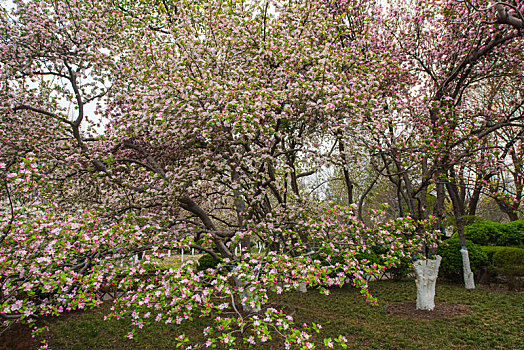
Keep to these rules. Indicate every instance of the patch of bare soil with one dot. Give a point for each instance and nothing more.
(407, 309)
(17, 337)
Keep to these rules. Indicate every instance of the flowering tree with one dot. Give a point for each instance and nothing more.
(216, 114)
(55, 263)
(436, 126)
(499, 164)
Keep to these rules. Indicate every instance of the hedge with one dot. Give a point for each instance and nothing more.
(508, 263)
(486, 233)
(483, 233)
(504, 257)
(512, 234)
(451, 265)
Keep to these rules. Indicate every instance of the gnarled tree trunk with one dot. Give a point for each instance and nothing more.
(426, 272)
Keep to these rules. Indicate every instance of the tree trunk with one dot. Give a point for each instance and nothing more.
(458, 210)
(507, 209)
(302, 287)
(240, 208)
(249, 303)
(468, 274)
(426, 272)
(475, 197)
(347, 180)
(513, 216)
(438, 211)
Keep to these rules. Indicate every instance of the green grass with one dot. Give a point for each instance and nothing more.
(496, 322)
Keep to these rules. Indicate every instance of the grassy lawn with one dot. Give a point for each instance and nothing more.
(495, 321)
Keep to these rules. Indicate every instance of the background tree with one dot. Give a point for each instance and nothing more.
(451, 47)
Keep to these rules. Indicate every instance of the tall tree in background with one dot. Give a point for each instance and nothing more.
(451, 48)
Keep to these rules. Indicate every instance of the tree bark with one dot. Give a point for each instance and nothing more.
(475, 197)
(507, 209)
(426, 272)
(249, 302)
(458, 209)
(347, 180)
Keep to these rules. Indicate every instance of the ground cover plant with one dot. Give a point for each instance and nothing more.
(131, 128)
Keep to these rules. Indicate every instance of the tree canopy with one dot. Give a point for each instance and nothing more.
(137, 127)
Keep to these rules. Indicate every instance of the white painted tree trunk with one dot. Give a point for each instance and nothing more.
(246, 296)
(469, 280)
(246, 305)
(302, 287)
(426, 272)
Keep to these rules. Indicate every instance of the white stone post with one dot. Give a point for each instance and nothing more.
(426, 272)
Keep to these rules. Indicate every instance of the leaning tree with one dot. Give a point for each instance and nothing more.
(214, 115)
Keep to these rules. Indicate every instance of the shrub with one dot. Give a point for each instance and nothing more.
(207, 262)
(502, 257)
(490, 251)
(468, 220)
(451, 265)
(517, 225)
(512, 234)
(494, 233)
(508, 257)
(483, 233)
(507, 263)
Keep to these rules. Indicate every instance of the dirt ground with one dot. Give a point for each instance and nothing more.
(17, 337)
(407, 309)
